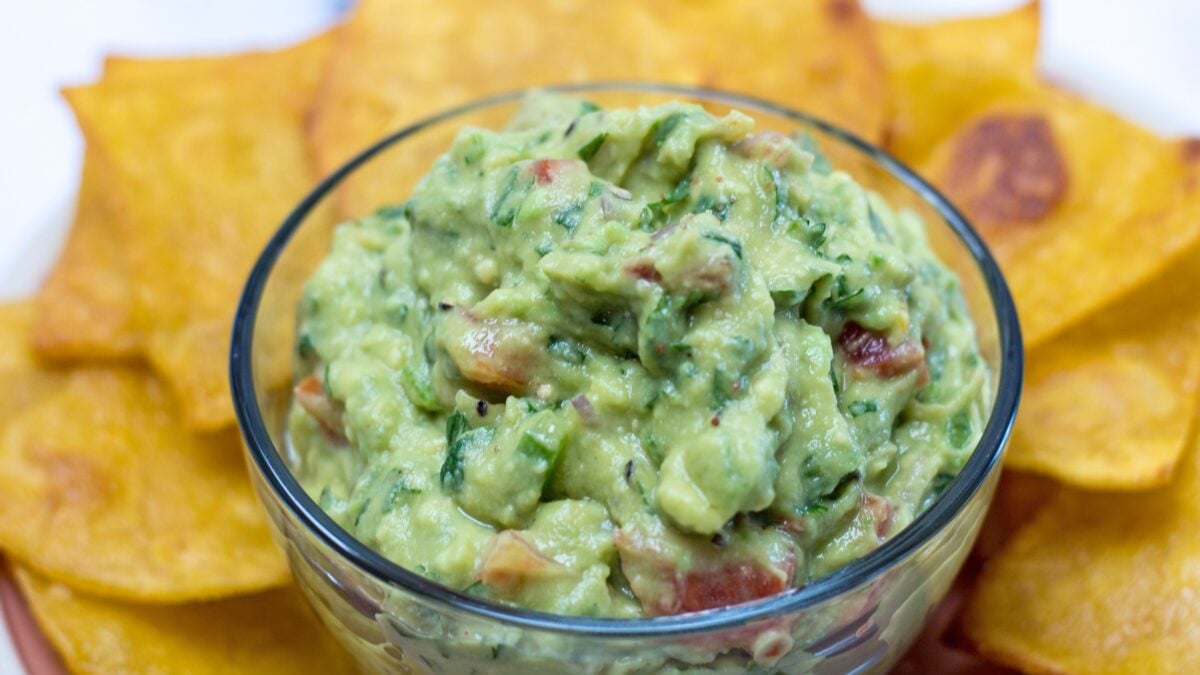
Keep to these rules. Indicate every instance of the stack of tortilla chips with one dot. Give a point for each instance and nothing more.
(126, 509)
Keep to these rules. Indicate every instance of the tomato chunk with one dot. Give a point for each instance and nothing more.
(501, 355)
(717, 578)
(869, 349)
(729, 584)
(513, 561)
(545, 170)
(310, 394)
(881, 511)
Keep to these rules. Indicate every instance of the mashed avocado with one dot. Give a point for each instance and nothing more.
(632, 362)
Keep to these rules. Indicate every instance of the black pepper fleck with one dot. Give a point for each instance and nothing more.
(481, 408)
(443, 305)
(629, 471)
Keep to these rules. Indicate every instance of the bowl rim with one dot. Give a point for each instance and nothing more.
(269, 461)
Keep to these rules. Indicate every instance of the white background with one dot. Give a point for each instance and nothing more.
(1140, 58)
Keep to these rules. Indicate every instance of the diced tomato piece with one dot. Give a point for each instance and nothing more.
(310, 394)
(712, 273)
(644, 270)
(500, 355)
(881, 510)
(545, 170)
(717, 579)
(730, 584)
(513, 561)
(713, 277)
(869, 349)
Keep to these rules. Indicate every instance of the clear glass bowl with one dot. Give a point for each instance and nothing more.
(860, 618)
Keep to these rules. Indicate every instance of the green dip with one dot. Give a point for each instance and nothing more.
(632, 362)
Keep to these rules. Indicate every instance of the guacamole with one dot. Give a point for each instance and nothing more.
(632, 363)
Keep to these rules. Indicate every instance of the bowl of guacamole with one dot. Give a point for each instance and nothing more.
(625, 378)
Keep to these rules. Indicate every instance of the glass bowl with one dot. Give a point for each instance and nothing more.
(860, 618)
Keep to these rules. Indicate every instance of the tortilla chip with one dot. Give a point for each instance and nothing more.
(1108, 404)
(1019, 497)
(398, 60)
(1078, 205)
(204, 168)
(1008, 40)
(18, 361)
(105, 490)
(85, 308)
(1099, 582)
(15, 320)
(939, 73)
(272, 632)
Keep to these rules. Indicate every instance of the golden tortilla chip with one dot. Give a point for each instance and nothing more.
(939, 73)
(104, 489)
(398, 60)
(1019, 497)
(1099, 582)
(204, 168)
(85, 308)
(1108, 404)
(272, 632)
(1077, 205)
(15, 321)
(1008, 40)
(26, 382)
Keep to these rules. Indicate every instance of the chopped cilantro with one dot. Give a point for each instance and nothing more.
(305, 348)
(940, 483)
(718, 207)
(783, 210)
(588, 150)
(457, 432)
(811, 231)
(724, 386)
(499, 215)
(858, 408)
(362, 510)
(565, 350)
(676, 195)
(570, 216)
(663, 128)
(728, 241)
(398, 491)
(842, 297)
(958, 428)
